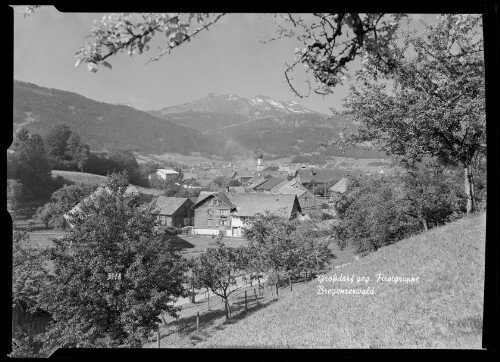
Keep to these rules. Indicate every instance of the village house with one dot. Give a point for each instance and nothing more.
(130, 191)
(164, 174)
(174, 211)
(243, 176)
(306, 199)
(26, 319)
(228, 213)
(318, 178)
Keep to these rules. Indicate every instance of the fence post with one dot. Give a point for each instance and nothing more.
(246, 308)
(276, 286)
(208, 293)
(197, 320)
(255, 293)
(272, 292)
(158, 336)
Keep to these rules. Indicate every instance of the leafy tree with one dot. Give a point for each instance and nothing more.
(31, 164)
(281, 248)
(369, 217)
(14, 195)
(428, 194)
(436, 103)
(216, 269)
(29, 279)
(147, 168)
(111, 234)
(46, 214)
(271, 246)
(312, 247)
(78, 152)
(379, 211)
(25, 344)
(220, 181)
(233, 183)
(28, 271)
(56, 141)
(126, 160)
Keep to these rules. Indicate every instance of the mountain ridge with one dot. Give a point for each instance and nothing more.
(229, 126)
(256, 107)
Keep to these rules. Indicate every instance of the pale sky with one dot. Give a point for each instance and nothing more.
(227, 59)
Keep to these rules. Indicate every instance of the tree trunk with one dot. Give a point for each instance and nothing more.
(469, 189)
(424, 223)
(290, 281)
(226, 307)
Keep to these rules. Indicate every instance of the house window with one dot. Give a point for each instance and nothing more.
(209, 222)
(216, 202)
(210, 212)
(210, 202)
(223, 212)
(223, 222)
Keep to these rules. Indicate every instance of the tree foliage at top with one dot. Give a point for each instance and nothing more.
(435, 105)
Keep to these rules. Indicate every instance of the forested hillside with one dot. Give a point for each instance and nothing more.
(101, 125)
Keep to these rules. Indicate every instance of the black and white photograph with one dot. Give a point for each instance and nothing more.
(247, 180)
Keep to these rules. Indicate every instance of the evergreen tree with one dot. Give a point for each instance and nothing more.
(33, 168)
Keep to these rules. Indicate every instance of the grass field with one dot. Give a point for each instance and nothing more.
(443, 309)
(80, 177)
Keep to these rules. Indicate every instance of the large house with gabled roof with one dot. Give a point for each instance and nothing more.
(228, 213)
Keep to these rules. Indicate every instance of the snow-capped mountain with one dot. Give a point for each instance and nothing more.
(256, 107)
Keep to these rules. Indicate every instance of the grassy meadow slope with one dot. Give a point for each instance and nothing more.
(443, 309)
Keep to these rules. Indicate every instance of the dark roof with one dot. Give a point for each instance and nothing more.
(319, 175)
(251, 204)
(256, 181)
(169, 205)
(269, 183)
